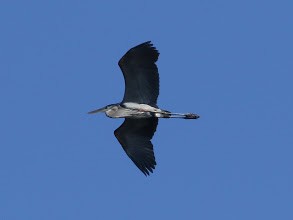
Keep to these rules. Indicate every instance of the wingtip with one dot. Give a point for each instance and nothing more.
(149, 43)
(146, 172)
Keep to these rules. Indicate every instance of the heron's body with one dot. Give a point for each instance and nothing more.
(133, 110)
(139, 106)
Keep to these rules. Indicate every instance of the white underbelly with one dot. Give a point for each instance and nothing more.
(141, 107)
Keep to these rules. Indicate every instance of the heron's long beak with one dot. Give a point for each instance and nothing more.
(98, 110)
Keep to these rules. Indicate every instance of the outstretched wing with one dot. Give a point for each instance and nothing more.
(141, 74)
(135, 136)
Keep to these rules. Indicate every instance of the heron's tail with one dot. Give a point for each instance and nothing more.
(179, 115)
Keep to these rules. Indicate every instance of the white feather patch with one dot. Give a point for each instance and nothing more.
(142, 107)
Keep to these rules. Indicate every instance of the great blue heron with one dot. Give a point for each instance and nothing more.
(139, 106)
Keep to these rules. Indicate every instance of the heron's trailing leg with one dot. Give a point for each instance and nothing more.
(177, 115)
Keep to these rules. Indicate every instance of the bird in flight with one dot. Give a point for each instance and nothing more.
(139, 106)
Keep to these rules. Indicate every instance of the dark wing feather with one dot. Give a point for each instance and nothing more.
(135, 136)
(141, 74)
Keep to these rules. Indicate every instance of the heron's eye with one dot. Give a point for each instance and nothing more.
(113, 109)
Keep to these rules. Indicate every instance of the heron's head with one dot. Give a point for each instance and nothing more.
(107, 109)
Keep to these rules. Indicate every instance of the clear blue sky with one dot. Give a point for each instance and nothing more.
(229, 61)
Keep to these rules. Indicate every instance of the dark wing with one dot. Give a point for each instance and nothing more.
(135, 137)
(141, 74)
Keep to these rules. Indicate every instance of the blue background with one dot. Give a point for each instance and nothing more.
(229, 61)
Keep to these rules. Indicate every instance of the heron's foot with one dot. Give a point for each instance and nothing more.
(191, 116)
